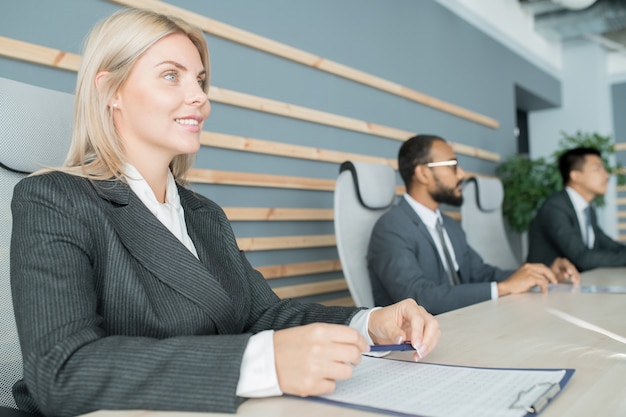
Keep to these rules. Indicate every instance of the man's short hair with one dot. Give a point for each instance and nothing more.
(573, 160)
(415, 151)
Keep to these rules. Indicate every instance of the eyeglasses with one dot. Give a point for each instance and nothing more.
(453, 163)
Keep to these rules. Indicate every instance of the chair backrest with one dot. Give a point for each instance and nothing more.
(363, 193)
(35, 131)
(482, 221)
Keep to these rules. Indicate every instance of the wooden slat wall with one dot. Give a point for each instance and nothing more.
(24, 51)
(244, 144)
(252, 40)
(322, 287)
(250, 244)
(304, 268)
(275, 213)
(283, 214)
(42, 55)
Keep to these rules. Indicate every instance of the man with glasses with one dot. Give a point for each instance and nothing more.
(566, 224)
(416, 251)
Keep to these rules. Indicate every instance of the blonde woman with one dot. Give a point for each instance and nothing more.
(129, 289)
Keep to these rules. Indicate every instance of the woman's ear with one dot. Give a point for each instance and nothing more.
(100, 81)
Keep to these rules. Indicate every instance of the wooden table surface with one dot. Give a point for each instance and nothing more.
(559, 329)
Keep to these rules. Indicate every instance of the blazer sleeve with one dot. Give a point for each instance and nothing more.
(564, 234)
(407, 265)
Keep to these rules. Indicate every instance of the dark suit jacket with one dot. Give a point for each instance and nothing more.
(403, 262)
(555, 232)
(113, 312)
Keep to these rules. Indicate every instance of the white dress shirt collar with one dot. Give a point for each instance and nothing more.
(577, 200)
(428, 216)
(170, 213)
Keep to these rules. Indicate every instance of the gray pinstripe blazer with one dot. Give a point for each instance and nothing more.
(113, 312)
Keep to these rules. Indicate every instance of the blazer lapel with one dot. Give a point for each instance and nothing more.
(159, 251)
(569, 206)
(215, 243)
(421, 230)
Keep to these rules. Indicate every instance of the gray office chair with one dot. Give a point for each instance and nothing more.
(35, 131)
(482, 221)
(363, 192)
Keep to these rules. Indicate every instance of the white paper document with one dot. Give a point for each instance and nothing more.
(422, 389)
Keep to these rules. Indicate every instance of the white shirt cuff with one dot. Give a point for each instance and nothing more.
(494, 290)
(360, 322)
(257, 377)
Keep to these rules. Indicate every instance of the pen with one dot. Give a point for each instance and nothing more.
(398, 347)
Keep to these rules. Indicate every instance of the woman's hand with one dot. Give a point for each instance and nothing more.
(404, 321)
(309, 359)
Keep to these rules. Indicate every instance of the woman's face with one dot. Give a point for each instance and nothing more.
(160, 109)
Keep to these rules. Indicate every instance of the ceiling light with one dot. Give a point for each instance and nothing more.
(575, 4)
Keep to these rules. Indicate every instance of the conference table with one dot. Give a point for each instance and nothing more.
(563, 328)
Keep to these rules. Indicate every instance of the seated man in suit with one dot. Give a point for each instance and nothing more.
(416, 251)
(566, 224)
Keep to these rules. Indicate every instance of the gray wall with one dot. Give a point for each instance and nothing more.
(416, 43)
(618, 96)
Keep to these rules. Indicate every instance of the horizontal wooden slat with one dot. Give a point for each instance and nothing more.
(621, 238)
(240, 143)
(621, 226)
(456, 215)
(302, 290)
(252, 40)
(316, 116)
(289, 214)
(42, 55)
(620, 146)
(285, 242)
(281, 108)
(621, 214)
(621, 200)
(620, 188)
(304, 268)
(210, 176)
(246, 144)
(251, 179)
(277, 214)
(475, 152)
(47, 56)
(343, 302)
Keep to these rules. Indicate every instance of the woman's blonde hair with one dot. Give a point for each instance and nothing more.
(114, 45)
